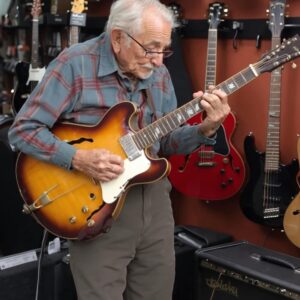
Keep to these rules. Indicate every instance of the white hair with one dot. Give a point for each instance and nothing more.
(127, 15)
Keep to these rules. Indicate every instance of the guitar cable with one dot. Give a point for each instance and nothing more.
(44, 239)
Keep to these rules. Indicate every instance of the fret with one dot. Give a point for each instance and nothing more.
(151, 134)
(137, 141)
(168, 123)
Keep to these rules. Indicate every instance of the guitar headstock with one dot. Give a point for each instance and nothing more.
(177, 11)
(216, 12)
(36, 9)
(79, 6)
(276, 14)
(287, 51)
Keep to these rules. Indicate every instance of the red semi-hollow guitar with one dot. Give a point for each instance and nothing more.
(210, 172)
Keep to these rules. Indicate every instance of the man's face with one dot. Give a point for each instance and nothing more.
(155, 35)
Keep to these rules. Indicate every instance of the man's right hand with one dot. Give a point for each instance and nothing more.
(99, 164)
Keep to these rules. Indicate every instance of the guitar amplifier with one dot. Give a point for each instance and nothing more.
(187, 240)
(19, 282)
(240, 270)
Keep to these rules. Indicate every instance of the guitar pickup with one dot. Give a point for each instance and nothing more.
(206, 164)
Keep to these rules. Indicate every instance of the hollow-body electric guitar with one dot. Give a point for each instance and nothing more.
(211, 172)
(74, 206)
(271, 185)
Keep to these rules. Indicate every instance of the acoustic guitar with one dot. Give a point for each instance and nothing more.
(74, 206)
(29, 75)
(291, 219)
(210, 172)
(271, 185)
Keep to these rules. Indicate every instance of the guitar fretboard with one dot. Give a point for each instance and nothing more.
(211, 61)
(35, 43)
(74, 35)
(273, 131)
(161, 127)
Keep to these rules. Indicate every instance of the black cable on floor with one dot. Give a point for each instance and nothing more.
(44, 240)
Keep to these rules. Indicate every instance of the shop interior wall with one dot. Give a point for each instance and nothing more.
(250, 106)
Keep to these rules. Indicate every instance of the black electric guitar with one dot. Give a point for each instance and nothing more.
(74, 206)
(28, 75)
(271, 186)
(210, 172)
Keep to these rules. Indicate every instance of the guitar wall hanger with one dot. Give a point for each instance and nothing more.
(251, 28)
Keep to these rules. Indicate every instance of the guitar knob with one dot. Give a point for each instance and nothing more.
(91, 223)
(223, 185)
(72, 220)
(225, 160)
(230, 180)
(222, 171)
(84, 209)
(237, 169)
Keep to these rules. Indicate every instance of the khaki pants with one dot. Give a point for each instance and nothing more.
(135, 260)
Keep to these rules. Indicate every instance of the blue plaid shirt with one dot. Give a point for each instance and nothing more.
(79, 86)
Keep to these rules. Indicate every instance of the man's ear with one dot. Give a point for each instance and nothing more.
(116, 36)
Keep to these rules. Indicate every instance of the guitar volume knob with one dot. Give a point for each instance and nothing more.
(91, 223)
(223, 185)
(84, 209)
(72, 220)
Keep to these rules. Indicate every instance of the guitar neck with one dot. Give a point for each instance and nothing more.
(211, 61)
(74, 35)
(35, 43)
(273, 131)
(152, 133)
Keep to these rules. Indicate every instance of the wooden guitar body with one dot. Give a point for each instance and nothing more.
(210, 172)
(68, 203)
(267, 194)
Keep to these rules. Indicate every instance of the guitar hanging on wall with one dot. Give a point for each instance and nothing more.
(77, 20)
(271, 185)
(74, 206)
(291, 219)
(211, 172)
(29, 75)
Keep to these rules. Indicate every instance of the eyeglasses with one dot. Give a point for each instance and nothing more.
(151, 53)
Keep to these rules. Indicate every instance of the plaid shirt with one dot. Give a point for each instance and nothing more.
(79, 86)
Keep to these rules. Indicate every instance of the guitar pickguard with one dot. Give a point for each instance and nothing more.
(112, 190)
(35, 74)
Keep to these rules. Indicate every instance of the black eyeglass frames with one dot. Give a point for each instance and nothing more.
(152, 53)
